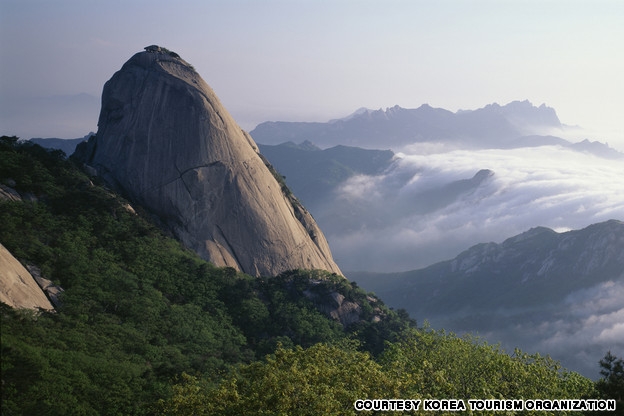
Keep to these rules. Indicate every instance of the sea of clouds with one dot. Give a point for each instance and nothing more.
(423, 209)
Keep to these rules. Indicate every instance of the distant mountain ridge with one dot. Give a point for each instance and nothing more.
(536, 260)
(523, 291)
(66, 145)
(396, 126)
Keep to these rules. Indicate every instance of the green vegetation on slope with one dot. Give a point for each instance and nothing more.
(146, 326)
(326, 379)
(139, 309)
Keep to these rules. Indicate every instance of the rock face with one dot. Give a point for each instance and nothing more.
(166, 142)
(18, 288)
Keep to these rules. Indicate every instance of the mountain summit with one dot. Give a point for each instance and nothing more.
(166, 142)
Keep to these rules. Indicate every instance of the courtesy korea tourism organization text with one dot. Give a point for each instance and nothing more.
(457, 405)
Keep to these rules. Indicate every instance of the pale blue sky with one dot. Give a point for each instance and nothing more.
(317, 60)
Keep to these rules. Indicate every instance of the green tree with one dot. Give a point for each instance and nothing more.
(435, 364)
(611, 385)
(322, 379)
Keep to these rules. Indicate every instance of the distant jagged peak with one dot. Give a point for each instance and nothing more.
(394, 109)
(516, 104)
(514, 110)
(367, 113)
(523, 112)
(521, 104)
(525, 107)
(358, 112)
(388, 113)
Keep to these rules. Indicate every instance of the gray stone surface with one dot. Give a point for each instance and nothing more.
(165, 141)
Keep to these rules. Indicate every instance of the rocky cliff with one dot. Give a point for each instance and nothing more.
(166, 142)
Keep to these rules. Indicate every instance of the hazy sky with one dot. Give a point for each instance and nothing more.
(317, 60)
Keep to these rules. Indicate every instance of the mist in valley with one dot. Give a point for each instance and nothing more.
(429, 207)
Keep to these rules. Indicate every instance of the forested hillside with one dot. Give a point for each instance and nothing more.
(147, 327)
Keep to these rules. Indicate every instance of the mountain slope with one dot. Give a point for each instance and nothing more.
(138, 309)
(541, 290)
(540, 265)
(313, 174)
(166, 142)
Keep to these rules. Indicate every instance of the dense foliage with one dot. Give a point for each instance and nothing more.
(328, 379)
(320, 380)
(146, 326)
(138, 308)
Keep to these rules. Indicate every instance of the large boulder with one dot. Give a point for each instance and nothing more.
(165, 141)
(18, 288)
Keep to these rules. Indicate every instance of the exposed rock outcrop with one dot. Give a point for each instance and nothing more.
(18, 288)
(346, 312)
(51, 290)
(9, 194)
(166, 142)
(336, 306)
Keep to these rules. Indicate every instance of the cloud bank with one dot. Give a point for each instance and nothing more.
(431, 205)
(586, 325)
